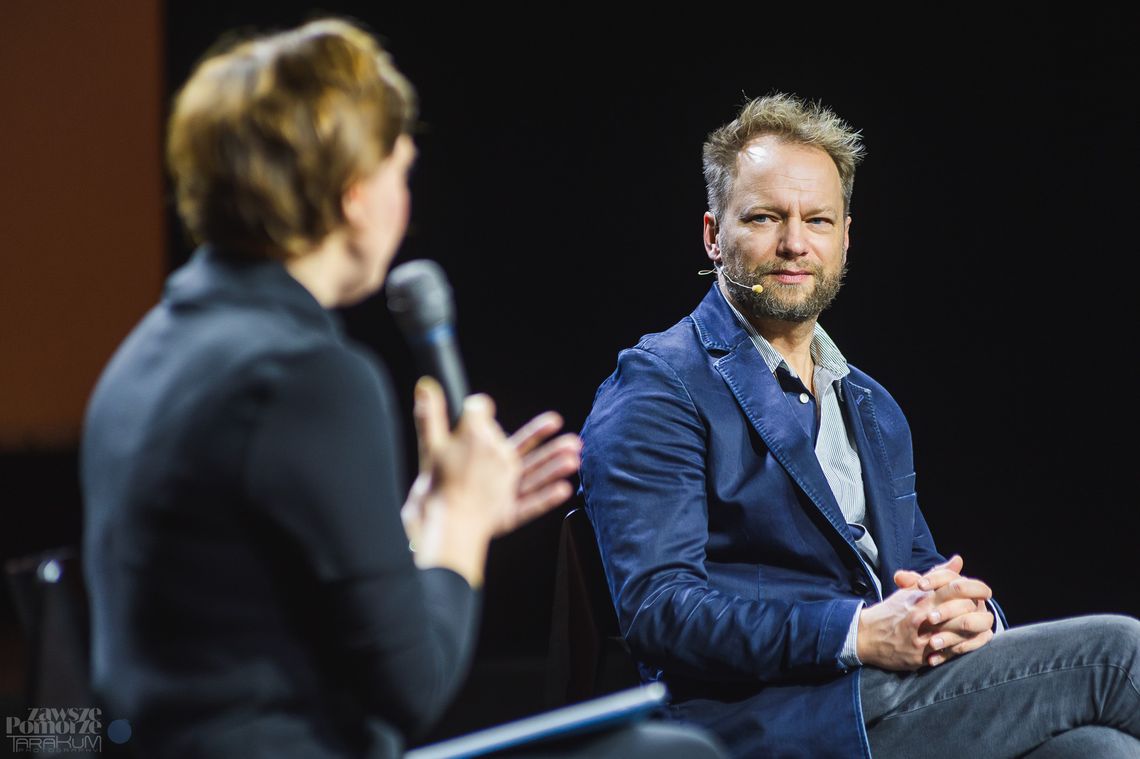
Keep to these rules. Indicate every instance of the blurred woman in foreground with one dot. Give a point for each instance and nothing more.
(251, 586)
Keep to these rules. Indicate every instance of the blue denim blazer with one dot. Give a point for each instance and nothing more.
(732, 569)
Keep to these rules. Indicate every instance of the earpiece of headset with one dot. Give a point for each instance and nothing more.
(719, 269)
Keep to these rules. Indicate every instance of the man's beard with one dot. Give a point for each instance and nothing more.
(776, 302)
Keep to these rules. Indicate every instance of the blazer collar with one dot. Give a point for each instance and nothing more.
(211, 276)
(718, 327)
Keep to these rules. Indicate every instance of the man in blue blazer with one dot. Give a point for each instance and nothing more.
(753, 497)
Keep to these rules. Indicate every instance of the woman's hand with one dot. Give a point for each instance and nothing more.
(475, 484)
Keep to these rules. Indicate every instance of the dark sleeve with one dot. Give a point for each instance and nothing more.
(643, 475)
(324, 468)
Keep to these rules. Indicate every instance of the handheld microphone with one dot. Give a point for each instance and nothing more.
(719, 268)
(419, 296)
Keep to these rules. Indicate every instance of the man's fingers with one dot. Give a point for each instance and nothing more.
(905, 578)
(963, 587)
(938, 577)
(530, 435)
(973, 643)
(951, 609)
(917, 617)
(955, 563)
(949, 640)
(430, 414)
(935, 577)
(962, 647)
(966, 625)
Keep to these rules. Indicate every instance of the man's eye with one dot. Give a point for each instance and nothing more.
(761, 218)
(819, 221)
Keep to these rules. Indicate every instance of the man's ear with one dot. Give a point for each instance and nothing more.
(846, 237)
(711, 232)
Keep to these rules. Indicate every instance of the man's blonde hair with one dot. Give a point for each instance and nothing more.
(791, 120)
(266, 137)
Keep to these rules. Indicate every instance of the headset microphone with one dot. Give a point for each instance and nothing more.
(718, 268)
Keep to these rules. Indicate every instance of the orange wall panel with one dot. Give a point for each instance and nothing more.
(82, 226)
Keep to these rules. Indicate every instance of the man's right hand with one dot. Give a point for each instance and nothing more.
(890, 632)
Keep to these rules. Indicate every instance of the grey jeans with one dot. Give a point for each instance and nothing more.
(1056, 689)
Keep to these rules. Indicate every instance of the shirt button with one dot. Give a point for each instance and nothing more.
(804, 398)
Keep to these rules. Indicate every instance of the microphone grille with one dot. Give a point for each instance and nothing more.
(419, 295)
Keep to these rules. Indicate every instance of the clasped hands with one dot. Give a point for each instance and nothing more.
(930, 619)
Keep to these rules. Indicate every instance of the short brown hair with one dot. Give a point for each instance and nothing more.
(790, 119)
(266, 137)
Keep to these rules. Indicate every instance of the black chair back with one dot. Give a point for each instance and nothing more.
(51, 603)
(588, 656)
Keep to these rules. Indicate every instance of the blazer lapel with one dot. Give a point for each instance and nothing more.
(886, 528)
(756, 390)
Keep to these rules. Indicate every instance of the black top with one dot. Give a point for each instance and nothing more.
(252, 593)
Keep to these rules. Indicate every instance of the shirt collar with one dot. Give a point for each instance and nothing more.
(823, 350)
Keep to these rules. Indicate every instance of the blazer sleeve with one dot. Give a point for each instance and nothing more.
(324, 471)
(643, 477)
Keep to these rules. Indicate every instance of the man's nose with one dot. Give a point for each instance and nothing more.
(793, 244)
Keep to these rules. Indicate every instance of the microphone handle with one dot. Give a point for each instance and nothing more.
(439, 356)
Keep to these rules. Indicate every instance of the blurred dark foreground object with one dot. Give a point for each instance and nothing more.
(613, 726)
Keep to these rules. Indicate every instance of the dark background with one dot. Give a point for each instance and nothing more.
(991, 285)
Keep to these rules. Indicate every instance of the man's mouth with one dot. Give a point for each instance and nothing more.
(791, 276)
